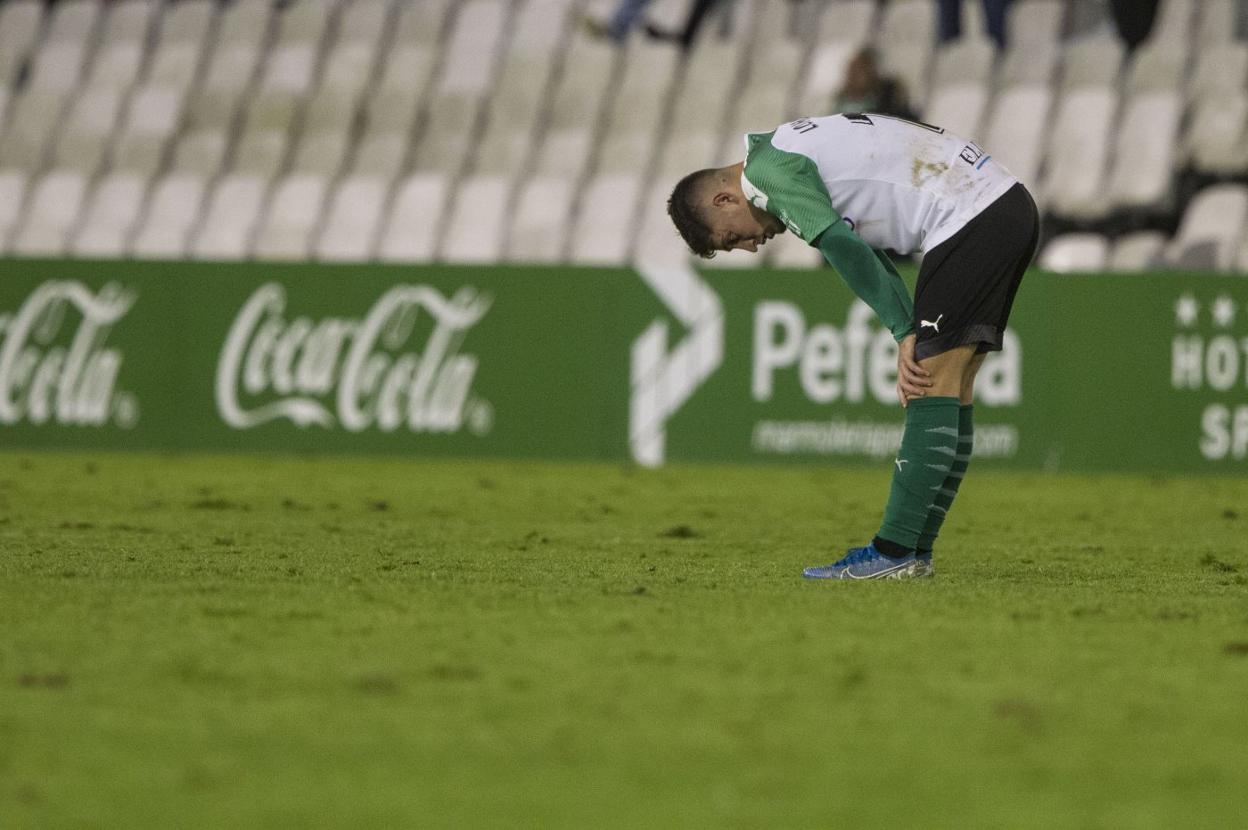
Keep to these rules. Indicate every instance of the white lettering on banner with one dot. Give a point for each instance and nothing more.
(357, 362)
(1217, 363)
(1224, 432)
(845, 364)
(74, 386)
(661, 380)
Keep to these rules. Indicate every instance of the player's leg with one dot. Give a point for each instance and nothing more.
(961, 461)
(965, 289)
(924, 460)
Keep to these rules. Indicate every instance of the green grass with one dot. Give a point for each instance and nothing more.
(225, 642)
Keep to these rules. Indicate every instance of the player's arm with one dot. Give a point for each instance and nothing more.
(871, 275)
(796, 193)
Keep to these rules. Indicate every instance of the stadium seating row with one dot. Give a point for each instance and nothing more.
(493, 129)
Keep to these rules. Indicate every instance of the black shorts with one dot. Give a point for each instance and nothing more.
(967, 283)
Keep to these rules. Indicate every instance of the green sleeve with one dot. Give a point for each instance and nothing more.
(871, 276)
(789, 187)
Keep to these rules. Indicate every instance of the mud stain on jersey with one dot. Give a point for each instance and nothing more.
(922, 171)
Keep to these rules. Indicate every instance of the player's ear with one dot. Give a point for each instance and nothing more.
(723, 198)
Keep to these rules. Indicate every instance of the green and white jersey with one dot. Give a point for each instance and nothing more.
(899, 185)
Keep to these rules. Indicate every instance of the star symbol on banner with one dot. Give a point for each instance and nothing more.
(1224, 311)
(1185, 310)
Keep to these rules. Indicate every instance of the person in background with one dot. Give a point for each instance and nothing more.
(1134, 20)
(689, 31)
(994, 20)
(867, 90)
(622, 21)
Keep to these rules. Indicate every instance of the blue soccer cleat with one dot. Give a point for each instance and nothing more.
(867, 563)
(923, 564)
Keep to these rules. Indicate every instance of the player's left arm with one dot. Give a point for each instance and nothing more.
(872, 276)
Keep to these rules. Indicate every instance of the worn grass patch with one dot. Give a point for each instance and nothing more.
(212, 642)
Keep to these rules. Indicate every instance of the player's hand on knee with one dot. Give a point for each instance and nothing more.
(912, 379)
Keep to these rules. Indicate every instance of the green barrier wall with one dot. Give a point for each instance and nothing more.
(1116, 372)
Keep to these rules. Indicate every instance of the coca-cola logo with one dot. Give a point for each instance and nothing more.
(54, 364)
(366, 373)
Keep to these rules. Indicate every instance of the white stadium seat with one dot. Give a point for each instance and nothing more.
(1078, 151)
(446, 143)
(539, 227)
(58, 65)
(186, 21)
(965, 61)
(348, 68)
(230, 218)
(171, 214)
(353, 221)
(688, 151)
(1174, 22)
(603, 232)
(565, 152)
(52, 210)
(1157, 67)
(363, 21)
(73, 20)
(1211, 229)
(1017, 129)
(111, 215)
(1092, 62)
(1221, 71)
(150, 122)
(201, 152)
(709, 79)
(960, 109)
(423, 23)
(411, 231)
(30, 127)
(657, 239)
(12, 199)
(908, 21)
(470, 55)
(19, 28)
(849, 21)
(1082, 252)
(1139, 251)
(1217, 22)
(1215, 140)
(381, 154)
(512, 118)
(261, 153)
(635, 116)
(323, 152)
(1028, 64)
(116, 65)
(1034, 21)
(476, 230)
(823, 77)
(291, 218)
(84, 137)
(1145, 154)
(175, 64)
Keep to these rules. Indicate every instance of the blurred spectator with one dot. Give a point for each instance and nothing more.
(867, 90)
(994, 20)
(622, 20)
(685, 36)
(1134, 19)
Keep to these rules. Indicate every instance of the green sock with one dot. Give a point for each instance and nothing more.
(944, 497)
(929, 447)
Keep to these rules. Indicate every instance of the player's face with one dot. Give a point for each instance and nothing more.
(738, 224)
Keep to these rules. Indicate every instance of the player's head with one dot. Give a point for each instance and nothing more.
(712, 213)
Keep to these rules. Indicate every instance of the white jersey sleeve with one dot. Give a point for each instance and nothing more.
(899, 184)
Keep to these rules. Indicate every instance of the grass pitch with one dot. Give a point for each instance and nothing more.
(225, 642)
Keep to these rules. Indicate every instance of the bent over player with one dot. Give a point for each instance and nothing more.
(853, 185)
